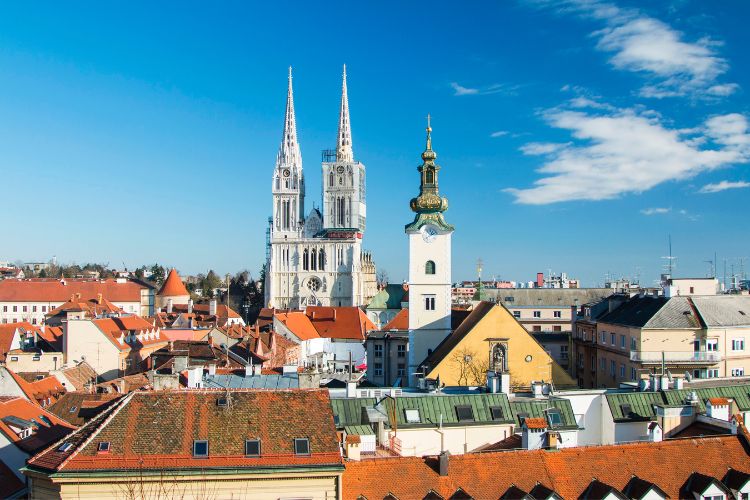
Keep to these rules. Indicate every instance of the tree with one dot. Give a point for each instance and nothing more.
(158, 274)
(382, 277)
(472, 367)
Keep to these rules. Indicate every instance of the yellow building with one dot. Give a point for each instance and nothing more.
(490, 338)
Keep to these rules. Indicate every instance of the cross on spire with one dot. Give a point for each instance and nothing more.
(344, 150)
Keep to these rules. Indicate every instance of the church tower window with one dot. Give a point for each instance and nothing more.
(429, 267)
(305, 260)
(314, 260)
(321, 259)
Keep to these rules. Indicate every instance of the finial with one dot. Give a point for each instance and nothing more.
(429, 132)
(290, 72)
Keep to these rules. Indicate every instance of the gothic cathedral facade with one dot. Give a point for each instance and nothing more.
(318, 259)
(429, 264)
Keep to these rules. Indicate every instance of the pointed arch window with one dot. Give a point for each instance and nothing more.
(314, 260)
(429, 267)
(321, 259)
(429, 176)
(305, 260)
(330, 179)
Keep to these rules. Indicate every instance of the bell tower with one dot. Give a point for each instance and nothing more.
(429, 263)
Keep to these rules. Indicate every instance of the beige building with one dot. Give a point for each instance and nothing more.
(198, 445)
(702, 336)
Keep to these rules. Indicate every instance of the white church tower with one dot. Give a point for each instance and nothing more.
(344, 179)
(429, 264)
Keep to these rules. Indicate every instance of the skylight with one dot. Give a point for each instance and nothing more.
(200, 448)
(465, 413)
(252, 447)
(412, 416)
(554, 418)
(73, 409)
(103, 447)
(496, 412)
(65, 447)
(301, 446)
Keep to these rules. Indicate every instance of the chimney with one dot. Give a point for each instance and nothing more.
(444, 456)
(655, 434)
(539, 280)
(249, 370)
(169, 306)
(190, 306)
(212, 307)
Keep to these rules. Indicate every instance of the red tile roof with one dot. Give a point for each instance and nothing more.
(173, 286)
(340, 322)
(7, 333)
(568, 472)
(60, 290)
(77, 408)
(47, 431)
(535, 423)
(92, 307)
(119, 326)
(185, 416)
(54, 336)
(46, 389)
(399, 322)
(299, 324)
(718, 401)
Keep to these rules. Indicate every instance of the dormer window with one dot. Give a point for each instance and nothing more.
(465, 413)
(496, 412)
(301, 446)
(412, 416)
(554, 418)
(200, 448)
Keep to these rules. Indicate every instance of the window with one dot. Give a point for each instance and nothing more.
(738, 344)
(622, 341)
(401, 370)
(5, 309)
(713, 373)
(622, 371)
(200, 448)
(509, 298)
(613, 339)
(604, 337)
(537, 328)
(603, 363)
(516, 314)
(301, 446)
(103, 447)
(36, 358)
(632, 373)
(429, 302)
(401, 350)
(44, 309)
(633, 346)
(496, 412)
(557, 314)
(378, 350)
(692, 289)
(25, 309)
(73, 409)
(378, 369)
(554, 418)
(626, 409)
(15, 309)
(537, 314)
(465, 413)
(33, 308)
(612, 368)
(556, 328)
(222, 402)
(563, 352)
(429, 267)
(412, 416)
(712, 345)
(65, 447)
(14, 358)
(738, 372)
(252, 447)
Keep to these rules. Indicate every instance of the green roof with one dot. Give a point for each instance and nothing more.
(536, 409)
(359, 430)
(642, 403)
(348, 411)
(388, 298)
(434, 409)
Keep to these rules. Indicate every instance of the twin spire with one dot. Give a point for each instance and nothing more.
(289, 152)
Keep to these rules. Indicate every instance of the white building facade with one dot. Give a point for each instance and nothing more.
(318, 259)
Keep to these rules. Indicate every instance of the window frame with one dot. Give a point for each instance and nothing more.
(196, 443)
(298, 441)
(248, 442)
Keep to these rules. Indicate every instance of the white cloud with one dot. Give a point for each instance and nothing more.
(656, 211)
(628, 151)
(723, 186)
(499, 133)
(646, 45)
(542, 148)
(495, 88)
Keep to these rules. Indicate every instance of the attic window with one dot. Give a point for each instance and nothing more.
(496, 412)
(200, 448)
(252, 447)
(301, 446)
(465, 413)
(103, 447)
(222, 402)
(65, 447)
(412, 416)
(73, 409)
(554, 418)
(626, 409)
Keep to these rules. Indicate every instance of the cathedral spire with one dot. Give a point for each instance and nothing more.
(289, 153)
(344, 150)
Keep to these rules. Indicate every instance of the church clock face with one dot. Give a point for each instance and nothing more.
(429, 233)
(286, 172)
(340, 169)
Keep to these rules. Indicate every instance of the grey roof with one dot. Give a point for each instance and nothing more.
(286, 381)
(724, 310)
(546, 297)
(678, 312)
(654, 312)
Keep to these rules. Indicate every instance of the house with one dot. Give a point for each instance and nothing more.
(490, 338)
(193, 315)
(113, 346)
(43, 391)
(206, 444)
(25, 428)
(77, 408)
(24, 348)
(79, 308)
(665, 469)
(31, 299)
(328, 336)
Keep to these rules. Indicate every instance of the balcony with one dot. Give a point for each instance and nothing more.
(672, 357)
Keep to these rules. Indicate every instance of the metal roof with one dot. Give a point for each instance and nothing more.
(641, 405)
(436, 409)
(286, 381)
(535, 408)
(359, 430)
(389, 297)
(546, 297)
(348, 411)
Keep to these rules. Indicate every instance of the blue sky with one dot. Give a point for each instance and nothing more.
(573, 135)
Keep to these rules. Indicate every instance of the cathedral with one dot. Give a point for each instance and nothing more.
(317, 258)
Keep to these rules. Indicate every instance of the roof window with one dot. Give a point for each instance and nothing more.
(46, 420)
(222, 402)
(252, 447)
(626, 409)
(73, 409)
(553, 417)
(412, 416)
(200, 448)
(103, 447)
(65, 447)
(301, 446)
(465, 413)
(496, 412)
